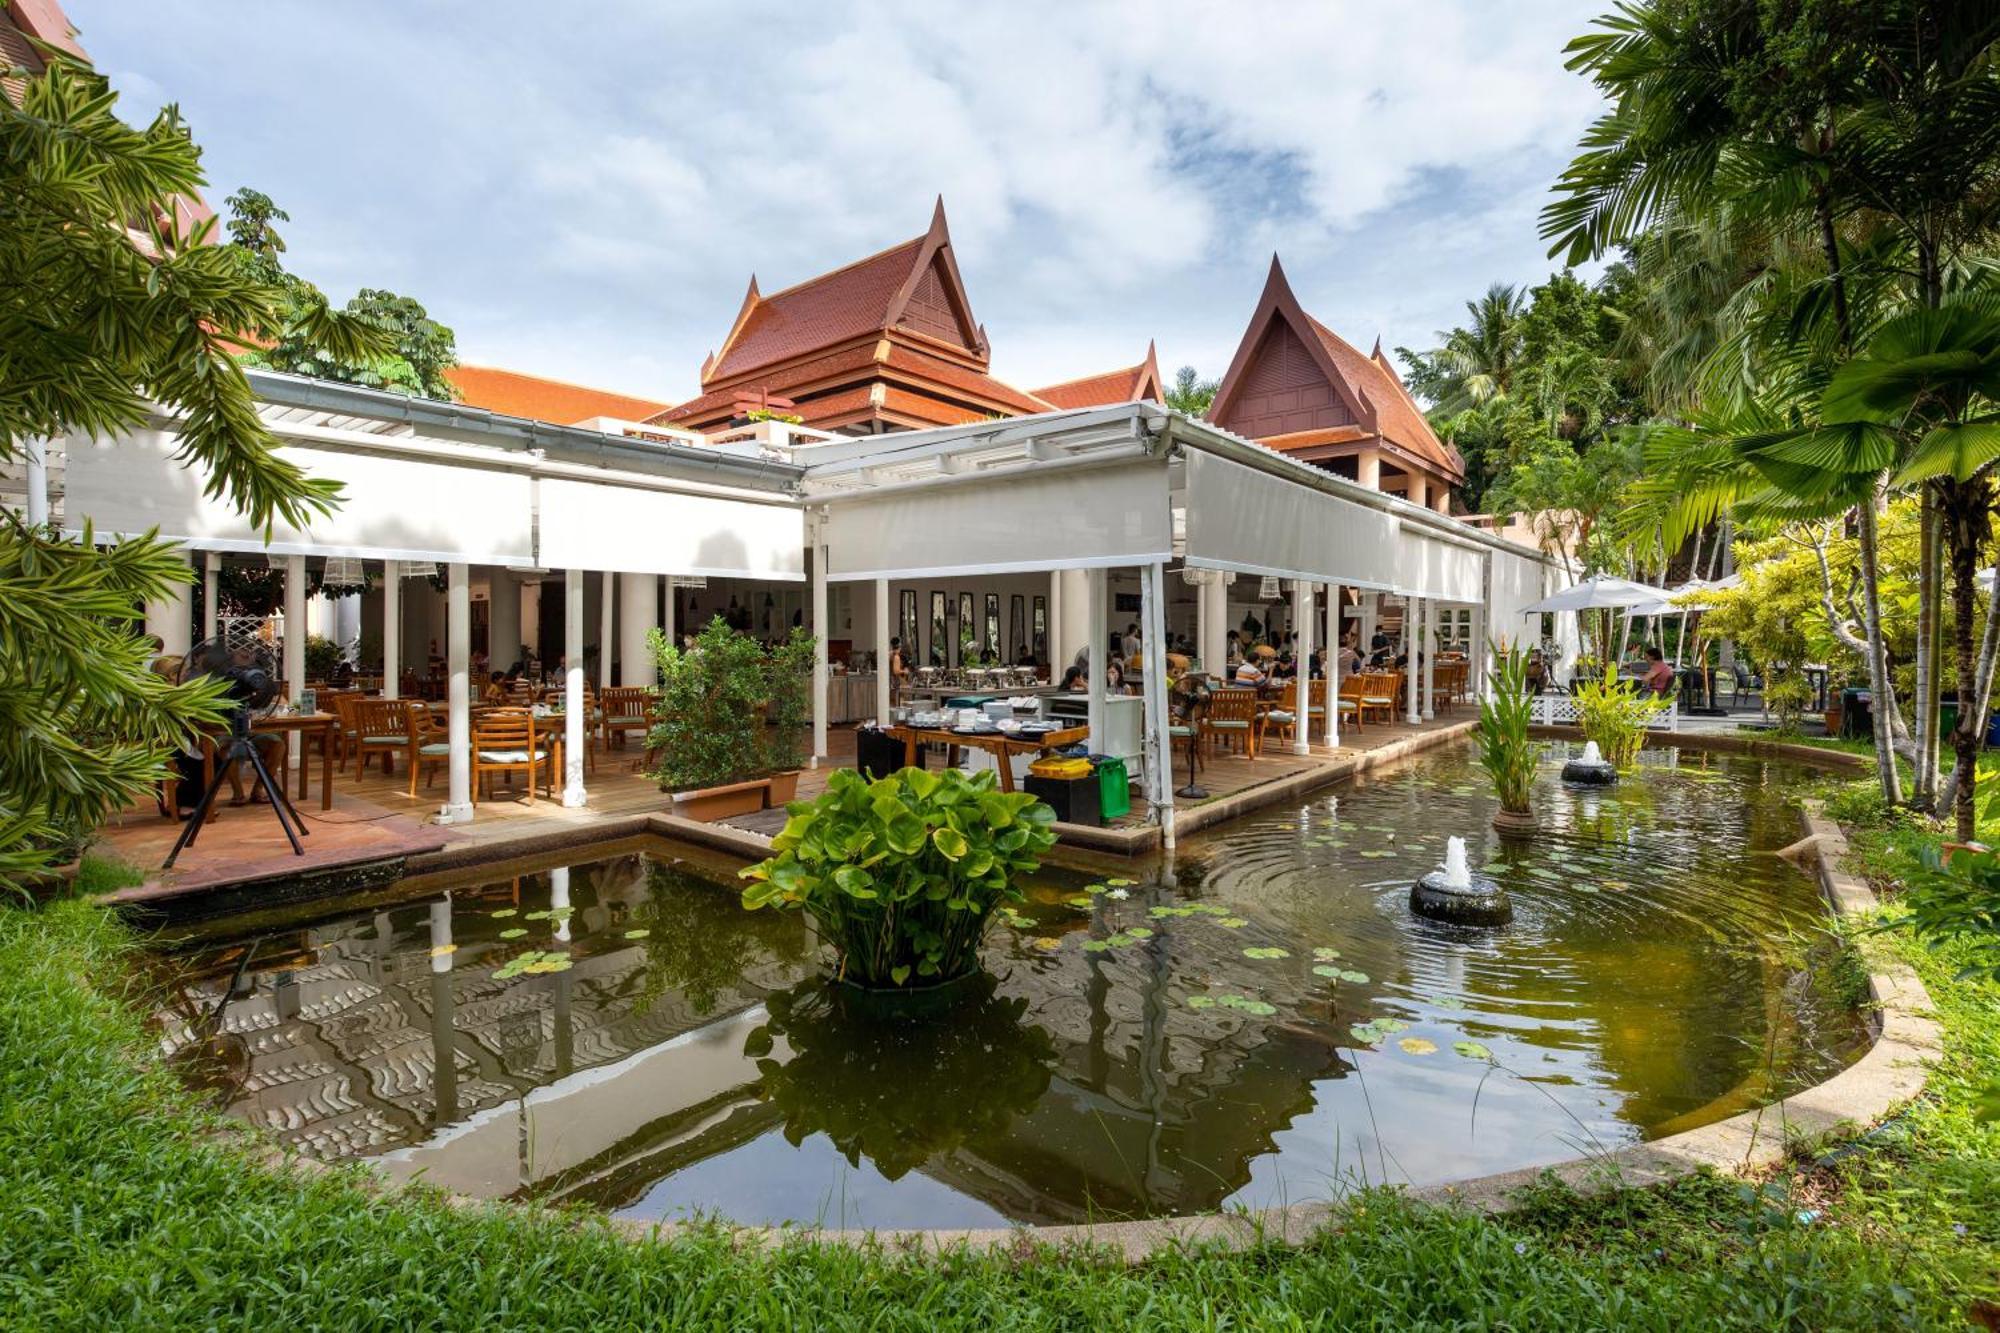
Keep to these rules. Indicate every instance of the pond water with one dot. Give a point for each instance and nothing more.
(1265, 1023)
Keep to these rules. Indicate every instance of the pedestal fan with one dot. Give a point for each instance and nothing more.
(249, 671)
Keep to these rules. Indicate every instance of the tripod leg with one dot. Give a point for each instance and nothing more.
(277, 796)
(194, 823)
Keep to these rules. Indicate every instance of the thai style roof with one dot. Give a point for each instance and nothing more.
(1128, 384)
(888, 340)
(1295, 383)
(541, 399)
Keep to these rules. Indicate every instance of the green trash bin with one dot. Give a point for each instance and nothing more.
(1114, 788)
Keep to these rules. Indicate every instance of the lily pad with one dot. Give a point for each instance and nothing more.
(1261, 1008)
(1472, 1050)
(1365, 1033)
(1377, 853)
(516, 933)
(1448, 1002)
(504, 913)
(1096, 946)
(1120, 940)
(1267, 951)
(1233, 922)
(1325, 955)
(1201, 1002)
(443, 949)
(1417, 1046)
(1356, 978)
(1048, 943)
(1138, 933)
(1391, 1025)
(639, 934)
(1083, 900)
(1121, 883)
(1327, 970)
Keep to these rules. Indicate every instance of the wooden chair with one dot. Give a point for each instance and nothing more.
(1379, 693)
(381, 727)
(346, 736)
(627, 708)
(1232, 717)
(429, 743)
(505, 741)
(1352, 690)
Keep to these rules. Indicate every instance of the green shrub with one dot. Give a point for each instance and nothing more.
(1786, 694)
(1505, 750)
(1614, 713)
(716, 698)
(1954, 896)
(322, 656)
(902, 875)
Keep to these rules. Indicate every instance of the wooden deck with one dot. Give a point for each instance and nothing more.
(375, 819)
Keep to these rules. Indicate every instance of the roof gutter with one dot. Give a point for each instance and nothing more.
(521, 433)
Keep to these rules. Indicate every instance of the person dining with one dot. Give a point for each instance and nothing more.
(1248, 672)
(1659, 677)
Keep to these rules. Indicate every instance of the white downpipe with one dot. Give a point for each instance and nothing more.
(1412, 641)
(211, 592)
(822, 672)
(295, 644)
(1302, 659)
(882, 652)
(458, 691)
(607, 605)
(573, 795)
(1096, 616)
(392, 628)
(1159, 743)
(1430, 659)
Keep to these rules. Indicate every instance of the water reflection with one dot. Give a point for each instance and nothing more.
(1266, 1023)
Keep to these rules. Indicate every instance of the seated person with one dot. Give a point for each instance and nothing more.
(1114, 677)
(1249, 673)
(1659, 677)
(1075, 677)
(1537, 672)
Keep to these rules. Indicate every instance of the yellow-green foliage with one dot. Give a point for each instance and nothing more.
(1614, 713)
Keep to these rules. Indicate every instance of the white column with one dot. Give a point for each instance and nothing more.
(1302, 650)
(531, 617)
(347, 624)
(573, 715)
(1070, 634)
(822, 673)
(503, 619)
(559, 905)
(1430, 659)
(670, 610)
(458, 691)
(1096, 611)
(1476, 667)
(392, 628)
(35, 453)
(1055, 614)
(1371, 608)
(295, 644)
(1212, 642)
(211, 594)
(882, 652)
(605, 606)
(1412, 640)
(1159, 744)
(638, 604)
(1333, 664)
(170, 617)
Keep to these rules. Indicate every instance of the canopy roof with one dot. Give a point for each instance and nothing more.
(1603, 592)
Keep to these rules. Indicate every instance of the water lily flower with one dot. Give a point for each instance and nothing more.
(1118, 895)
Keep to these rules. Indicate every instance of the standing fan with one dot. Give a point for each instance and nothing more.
(1192, 694)
(251, 675)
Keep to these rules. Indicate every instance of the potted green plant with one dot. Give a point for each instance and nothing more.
(1506, 751)
(708, 723)
(902, 875)
(788, 674)
(1614, 713)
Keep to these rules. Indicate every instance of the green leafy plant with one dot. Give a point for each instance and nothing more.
(1614, 713)
(716, 698)
(1955, 897)
(902, 875)
(1505, 750)
(1786, 694)
(322, 656)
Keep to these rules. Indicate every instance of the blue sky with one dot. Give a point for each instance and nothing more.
(586, 197)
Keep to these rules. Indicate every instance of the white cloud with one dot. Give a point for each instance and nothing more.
(584, 191)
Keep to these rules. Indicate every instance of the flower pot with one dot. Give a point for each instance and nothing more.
(709, 804)
(784, 788)
(1514, 821)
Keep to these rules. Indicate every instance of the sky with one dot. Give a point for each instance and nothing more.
(583, 190)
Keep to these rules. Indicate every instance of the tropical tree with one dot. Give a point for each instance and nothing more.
(418, 350)
(108, 314)
(1475, 362)
(1190, 392)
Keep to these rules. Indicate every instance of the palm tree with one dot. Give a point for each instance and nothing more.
(1476, 363)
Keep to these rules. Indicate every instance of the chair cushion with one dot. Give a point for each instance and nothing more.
(1278, 715)
(1180, 731)
(628, 721)
(385, 740)
(1228, 724)
(435, 747)
(511, 756)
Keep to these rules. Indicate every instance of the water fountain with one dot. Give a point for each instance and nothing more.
(1455, 894)
(1591, 770)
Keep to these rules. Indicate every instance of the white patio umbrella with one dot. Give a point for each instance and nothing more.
(1603, 592)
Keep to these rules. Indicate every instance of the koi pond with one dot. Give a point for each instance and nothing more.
(1264, 1022)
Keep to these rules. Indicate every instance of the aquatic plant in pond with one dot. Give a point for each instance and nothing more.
(902, 1088)
(1505, 750)
(902, 875)
(1614, 713)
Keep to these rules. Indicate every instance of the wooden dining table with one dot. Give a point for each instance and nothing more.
(1000, 745)
(323, 727)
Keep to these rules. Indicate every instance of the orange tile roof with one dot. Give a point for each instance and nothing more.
(1324, 435)
(849, 302)
(1397, 416)
(1126, 385)
(512, 393)
(922, 365)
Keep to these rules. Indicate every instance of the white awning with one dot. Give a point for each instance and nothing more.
(632, 530)
(1056, 518)
(1517, 585)
(1243, 519)
(1441, 571)
(393, 508)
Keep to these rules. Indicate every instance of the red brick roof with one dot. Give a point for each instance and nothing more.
(847, 303)
(517, 395)
(1397, 417)
(1127, 385)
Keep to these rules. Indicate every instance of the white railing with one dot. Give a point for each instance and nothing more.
(1559, 710)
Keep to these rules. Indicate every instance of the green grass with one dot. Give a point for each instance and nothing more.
(122, 1206)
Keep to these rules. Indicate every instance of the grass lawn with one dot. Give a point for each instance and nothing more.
(122, 1207)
